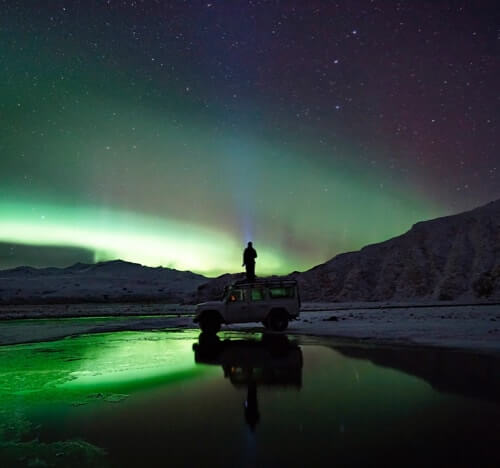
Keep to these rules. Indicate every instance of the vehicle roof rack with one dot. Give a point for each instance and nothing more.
(266, 282)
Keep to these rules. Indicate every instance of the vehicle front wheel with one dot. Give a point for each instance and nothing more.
(278, 320)
(210, 324)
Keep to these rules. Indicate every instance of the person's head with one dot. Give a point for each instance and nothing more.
(249, 244)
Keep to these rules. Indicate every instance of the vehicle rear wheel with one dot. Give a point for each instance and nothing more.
(278, 320)
(210, 323)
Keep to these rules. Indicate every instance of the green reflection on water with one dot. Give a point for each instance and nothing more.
(82, 370)
(103, 398)
(110, 360)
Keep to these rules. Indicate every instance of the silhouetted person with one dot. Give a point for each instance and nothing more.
(249, 256)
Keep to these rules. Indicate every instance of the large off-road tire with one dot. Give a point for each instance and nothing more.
(208, 340)
(210, 323)
(277, 320)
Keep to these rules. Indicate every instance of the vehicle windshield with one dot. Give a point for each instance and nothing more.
(225, 293)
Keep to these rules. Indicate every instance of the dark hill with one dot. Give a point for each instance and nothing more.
(449, 258)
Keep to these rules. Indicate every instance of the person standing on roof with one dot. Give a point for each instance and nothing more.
(249, 256)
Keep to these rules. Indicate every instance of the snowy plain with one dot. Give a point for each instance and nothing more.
(468, 327)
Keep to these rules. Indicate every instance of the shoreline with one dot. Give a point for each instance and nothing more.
(17, 311)
(472, 329)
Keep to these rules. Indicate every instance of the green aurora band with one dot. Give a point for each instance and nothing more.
(189, 197)
(100, 159)
(197, 210)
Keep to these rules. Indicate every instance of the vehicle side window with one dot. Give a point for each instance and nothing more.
(257, 294)
(278, 293)
(235, 295)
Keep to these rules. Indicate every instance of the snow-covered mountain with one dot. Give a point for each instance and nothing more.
(450, 258)
(113, 281)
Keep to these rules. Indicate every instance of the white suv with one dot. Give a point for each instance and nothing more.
(271, 301)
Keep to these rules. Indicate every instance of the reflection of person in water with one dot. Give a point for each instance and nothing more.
(249, 256)
(272, 361)
(252, 415)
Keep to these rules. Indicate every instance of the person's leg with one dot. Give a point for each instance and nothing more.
(251, 272)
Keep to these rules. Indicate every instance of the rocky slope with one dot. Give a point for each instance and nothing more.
(115, 281)
(450, 258)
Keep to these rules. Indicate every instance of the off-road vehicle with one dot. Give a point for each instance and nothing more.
(274, 302)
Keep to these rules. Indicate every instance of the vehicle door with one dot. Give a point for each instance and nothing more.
(236, 306)
(258, 304)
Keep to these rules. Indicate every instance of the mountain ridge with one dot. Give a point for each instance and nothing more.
(455, 257)
(447, 258)
(112, 281)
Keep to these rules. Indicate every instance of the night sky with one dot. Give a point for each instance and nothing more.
(172, 132)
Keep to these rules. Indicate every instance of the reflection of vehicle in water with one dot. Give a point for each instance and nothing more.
(272, 361)
(274, 302)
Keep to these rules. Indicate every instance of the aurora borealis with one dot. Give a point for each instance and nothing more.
(171, 132)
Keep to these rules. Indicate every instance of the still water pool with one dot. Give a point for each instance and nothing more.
(175, 398)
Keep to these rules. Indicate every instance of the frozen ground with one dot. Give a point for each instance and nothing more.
(9, 312)
(466, 327)
(474, 327)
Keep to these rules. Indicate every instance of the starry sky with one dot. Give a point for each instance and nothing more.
(172, 132)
